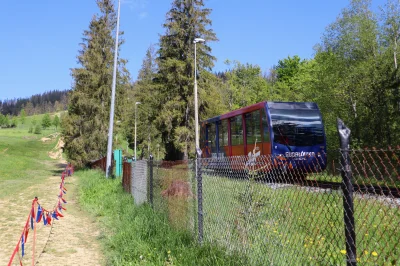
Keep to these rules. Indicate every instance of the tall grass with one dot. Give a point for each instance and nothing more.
(295, 225)
(137, 235)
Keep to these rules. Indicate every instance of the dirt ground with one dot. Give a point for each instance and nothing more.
(72, 240)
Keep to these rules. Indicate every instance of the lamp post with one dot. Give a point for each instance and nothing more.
(110, 127)
(196, 107)
(135, 126)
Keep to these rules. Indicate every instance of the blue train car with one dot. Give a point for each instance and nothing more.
(290, 133)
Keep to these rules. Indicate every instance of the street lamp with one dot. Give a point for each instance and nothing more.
(135, 126)
(111, 125)
(196, 107)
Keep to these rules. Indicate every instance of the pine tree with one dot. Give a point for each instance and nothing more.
(46, 121)
(38, 129)
(23, 116)
(85, 128)
(186, 20)
(145, 91)
(56, 121)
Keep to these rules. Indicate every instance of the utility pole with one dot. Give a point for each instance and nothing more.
(111, 125)
(196, 106)
(135, 127)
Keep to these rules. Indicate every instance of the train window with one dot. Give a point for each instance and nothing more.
(212, 137)
(297, 127)
(253, 131)
(236, 130)
(202, 136)
(223, 133)
(265, 127)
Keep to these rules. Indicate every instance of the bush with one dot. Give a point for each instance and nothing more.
(46, 121)
(38, 129)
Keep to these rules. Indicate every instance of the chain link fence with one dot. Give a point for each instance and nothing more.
(174, 194)
(282, 217)
(139, 183)
(344, 212)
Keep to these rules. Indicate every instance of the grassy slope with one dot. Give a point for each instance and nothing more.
(27, 171)
(20, 153)
(138, 236)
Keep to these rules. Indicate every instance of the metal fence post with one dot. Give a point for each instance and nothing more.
(151, 181)
(347, 187)
(199, 195)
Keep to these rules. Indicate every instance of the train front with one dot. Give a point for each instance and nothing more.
(298, 139)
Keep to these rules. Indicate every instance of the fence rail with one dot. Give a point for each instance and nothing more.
(101, 163)
(126, 176)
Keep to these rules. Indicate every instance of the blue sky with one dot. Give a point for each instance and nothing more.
(40, 39)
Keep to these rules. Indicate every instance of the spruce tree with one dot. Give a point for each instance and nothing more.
(56, 121)
(145, 91)
(46, 121)
(38, 129)
(85, 128)
(186, 20)
(23, 116)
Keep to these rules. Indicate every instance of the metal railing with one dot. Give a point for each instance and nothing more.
(101, 163)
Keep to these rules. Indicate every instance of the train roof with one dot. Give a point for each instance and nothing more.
(271, 105)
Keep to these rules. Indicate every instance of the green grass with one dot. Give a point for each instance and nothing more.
(295, 226)
(20, 152)
(137, 235)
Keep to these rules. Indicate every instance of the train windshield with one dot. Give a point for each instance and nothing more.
(297, 127)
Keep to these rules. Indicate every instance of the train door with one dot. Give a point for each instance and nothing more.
(266, 141)
(223, 144)
(254, 141)
(236, 136)
(206, 152)
(212, 139)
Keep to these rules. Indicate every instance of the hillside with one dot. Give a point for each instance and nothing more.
(27, 171)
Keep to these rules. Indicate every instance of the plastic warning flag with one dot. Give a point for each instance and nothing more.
(39, 213)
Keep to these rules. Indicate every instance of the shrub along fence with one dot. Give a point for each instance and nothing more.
(261, 209)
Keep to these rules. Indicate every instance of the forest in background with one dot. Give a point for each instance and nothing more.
(353, 75)
(47, 102)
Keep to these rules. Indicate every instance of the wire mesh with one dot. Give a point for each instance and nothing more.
(294, 210)
(139, 181)
(174, 193)
(376, 205)
(279, 211)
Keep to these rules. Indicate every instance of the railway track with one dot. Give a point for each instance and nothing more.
(376, 190)
(358, 188)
